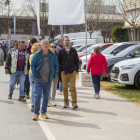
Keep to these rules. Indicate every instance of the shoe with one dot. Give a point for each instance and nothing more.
(96, 96)
(27, 97)
(69, 93)
(66, 105)
(17, 86)
(10, 96)
(44, 116)
(49, 104)
(53, 103)
(32, 108)
(35, 117)
(59, 93)
(24, 96)
(21, 98)
(74, 106)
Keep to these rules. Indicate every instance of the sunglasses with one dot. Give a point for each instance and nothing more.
(53, 46)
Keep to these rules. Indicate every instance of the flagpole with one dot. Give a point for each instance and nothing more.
(14, 27)
(86, 30)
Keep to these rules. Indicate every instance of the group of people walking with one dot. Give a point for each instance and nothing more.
(42, 65)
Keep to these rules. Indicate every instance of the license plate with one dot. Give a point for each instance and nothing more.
(114, 75)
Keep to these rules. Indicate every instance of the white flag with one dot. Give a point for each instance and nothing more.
(66, 12)
(37, 9)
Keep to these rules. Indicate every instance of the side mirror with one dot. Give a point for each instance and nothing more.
(115, 52)
(132, 54)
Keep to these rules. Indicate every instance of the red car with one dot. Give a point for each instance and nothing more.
(91, 48)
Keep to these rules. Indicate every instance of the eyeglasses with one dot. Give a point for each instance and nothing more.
(53, 46)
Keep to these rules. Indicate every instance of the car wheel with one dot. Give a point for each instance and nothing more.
(137, 80)
(109, 75)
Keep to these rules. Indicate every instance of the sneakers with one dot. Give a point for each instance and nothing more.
(59, 93)
(74, 106)
(17, 86)
(32, 108)
(44, 116)
(49, 104)
(10, 96)
(96, 96)
(27, 97)
(66, 105)
(53, 103)
(21, 98)
(35, 117)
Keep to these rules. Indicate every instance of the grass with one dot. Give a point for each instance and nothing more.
(128, 92)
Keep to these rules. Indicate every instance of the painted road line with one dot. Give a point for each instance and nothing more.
(43, 125)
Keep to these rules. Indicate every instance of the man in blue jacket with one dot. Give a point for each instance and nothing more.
(44, 66)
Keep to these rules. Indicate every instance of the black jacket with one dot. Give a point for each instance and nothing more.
(68, 62)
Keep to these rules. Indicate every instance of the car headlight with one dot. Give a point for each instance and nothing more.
(127, 66)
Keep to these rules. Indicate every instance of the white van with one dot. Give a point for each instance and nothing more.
(83, 41)
(82, 35)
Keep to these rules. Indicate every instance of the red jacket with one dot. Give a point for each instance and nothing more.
(96, 64)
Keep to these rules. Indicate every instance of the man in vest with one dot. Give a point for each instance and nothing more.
(16, 65)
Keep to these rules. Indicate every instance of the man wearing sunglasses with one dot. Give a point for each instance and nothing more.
(68, 66)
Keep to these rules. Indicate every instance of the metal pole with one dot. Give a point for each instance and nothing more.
(14, 26)
(86, 29)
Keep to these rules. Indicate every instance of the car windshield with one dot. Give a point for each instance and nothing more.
(109, 49)
(126, 51)
(88, 49)
(83, 48)
(77, 47)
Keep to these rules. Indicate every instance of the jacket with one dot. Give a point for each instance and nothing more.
(59, 47)
(96, 64)
(11, 62)
(68, 62)
(37, 61)
(1, 54)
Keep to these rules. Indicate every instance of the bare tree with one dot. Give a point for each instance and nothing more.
(130, 11)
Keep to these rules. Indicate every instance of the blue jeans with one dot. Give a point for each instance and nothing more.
(39, 87)
(96, 83)
(61, 87)
(26, 85)
(13, 79)
(33, 89)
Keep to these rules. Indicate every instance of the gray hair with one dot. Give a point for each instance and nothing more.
(44, 40)
(59, 40)
(97, 49)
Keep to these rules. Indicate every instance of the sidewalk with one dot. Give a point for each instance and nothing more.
(109, 118)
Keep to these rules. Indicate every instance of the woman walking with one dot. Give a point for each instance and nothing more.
(35, 47)
(96, 63)
(1, 56)
(54, 81)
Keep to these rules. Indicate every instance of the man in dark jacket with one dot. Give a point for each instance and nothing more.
(27, 83)
(68, 66)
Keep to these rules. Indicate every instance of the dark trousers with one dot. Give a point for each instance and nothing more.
(96, 83)
(26, 86)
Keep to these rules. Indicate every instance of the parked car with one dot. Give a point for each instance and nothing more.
(90, 50)
(116, 48)
(82, 41)
(129, 53)
(127, 72)
(82, 48)
(77, 46)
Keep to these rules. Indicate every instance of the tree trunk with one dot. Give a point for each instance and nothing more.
(134, 33)
(91, 35)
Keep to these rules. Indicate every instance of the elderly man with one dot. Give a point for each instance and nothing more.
(17, 61)
(44, 66)
(60, 44)
(69, 65)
